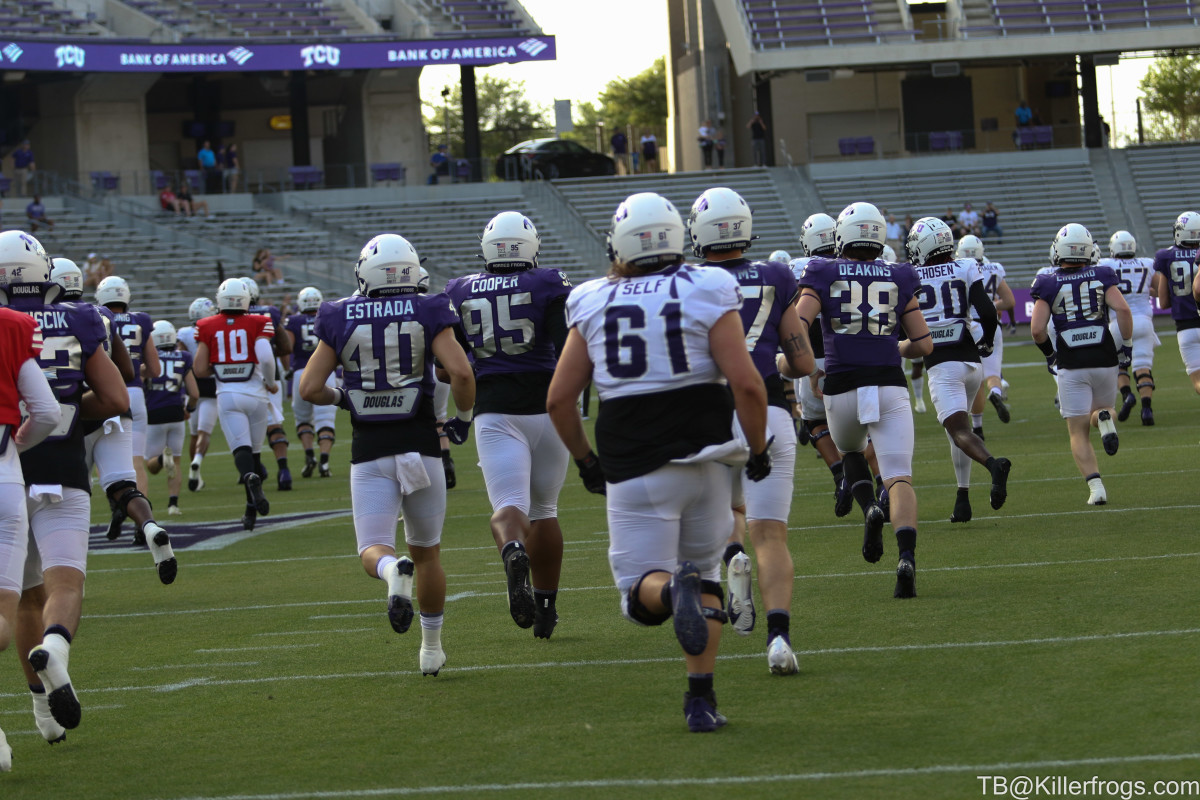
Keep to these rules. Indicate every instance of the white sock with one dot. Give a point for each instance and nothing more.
(994, 390)
(197, 460)
(962, 464)
(918, 386)
(977, 420)
(431, 629)
(384, 562)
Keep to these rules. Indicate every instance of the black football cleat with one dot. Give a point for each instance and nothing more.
(1001, 409)
(872, 548)
(906, 579)
(310, 466)
(1000, 470)
(1147, 416)
(962, 508)
(1126, 407)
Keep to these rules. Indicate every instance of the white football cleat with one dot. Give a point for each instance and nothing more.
(432, 660)
(741, 599)
(169, 463)
(5, 754)
(50, 730)
(919, 405)
(780, 658)
(49, 661)
(160, 547)
(1097, 495)
(399, 578)
(174, 511)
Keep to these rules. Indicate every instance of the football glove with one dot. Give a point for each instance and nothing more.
(457, 430)
(1052, 364)
(591, 473)
(985, 348)
(1125, 356)
(342, 399)
(759, 464)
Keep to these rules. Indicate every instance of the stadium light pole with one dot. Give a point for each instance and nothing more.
(446, 116)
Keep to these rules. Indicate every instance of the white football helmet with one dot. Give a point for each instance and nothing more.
(1073, 243)
(510, 243)
(928, 238)
(782, 256)
(818, 236)
(888, 254)
(970, 246)
(200, 308)
(252, 288)
(22, 259)
(720, 221)
(1095, 259)
(113, 289)
(232, 295)
(423, 282)
(388, 264)
(309, 299)
(164, 335)
(1122, 245)
(1187, 229)
(646, 231)
(861, 225)
(67, 274)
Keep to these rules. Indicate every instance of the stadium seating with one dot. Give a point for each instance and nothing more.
(1166, 177)
(790, 23)
(479, 18)
(1024, 17)
(44, 17)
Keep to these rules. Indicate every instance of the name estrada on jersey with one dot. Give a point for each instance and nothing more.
(861, 304)
(513, 326)
(385, 347)
(1133, 279)
(1178, 266)
(768, 288)
(230, 339)
(944, 298)
(662, 396)
(1079, 314)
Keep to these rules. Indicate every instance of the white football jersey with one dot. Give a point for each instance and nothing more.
(188, 337)
(650, 333)
(992, 272)
(1134, 275)
(945, 296)
(798, 265)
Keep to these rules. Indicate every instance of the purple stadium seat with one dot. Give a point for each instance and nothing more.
(846, 146)
(954, 140)
(938, 141)
(387, 172)
(306, 177)
(1043, 135)
(865, 145)
(195, 179)
(1025, 138)
(105, 181)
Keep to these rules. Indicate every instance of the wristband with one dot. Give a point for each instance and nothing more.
(190, 409)
(466, 416)
(1046, 348)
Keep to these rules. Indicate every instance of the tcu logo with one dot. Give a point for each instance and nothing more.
(69, 56)
(321, 54)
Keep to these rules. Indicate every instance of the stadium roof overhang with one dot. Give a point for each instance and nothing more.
(896, 55)
(66, 56)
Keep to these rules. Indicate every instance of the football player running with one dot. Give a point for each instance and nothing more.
(86, 384)
(992, 389)
(865, 305)
(950, 290)
(1077, 297)
(310, 420)
(170, 398)
(441, 406)
(720, 226)
(660, 338)
(514, 318)
(386, 341)
(1134, 275)
(235, 347)
(24, 392)
(201, 423)
(282, 348)
(1174, 273)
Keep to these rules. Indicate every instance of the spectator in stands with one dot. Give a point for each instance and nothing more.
(758, 136)
(895, 235)
(264, 267)
(188, 203)
(208, 164)
(649, 151)
(905, 228)
(951, 219)
(171, 202)
(968, 221)
(36, 212)
(719, 147)
(1023, 114)
(23, 168)
(233, 168)
(991, 223)
(620, 151)
(96, 269)
(707, 135)
(440, 161)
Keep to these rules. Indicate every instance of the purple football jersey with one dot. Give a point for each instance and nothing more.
(134, 329)
(1178, 266)
(504, 317)
(166, 392)
(385, 347)
(269, 311)
(768, 288)
(301, 327)
(1079, 313)
(861, 306)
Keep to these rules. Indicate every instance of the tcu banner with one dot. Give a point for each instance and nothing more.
(49, 55)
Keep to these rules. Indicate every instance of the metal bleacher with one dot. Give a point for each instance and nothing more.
(597, 198)
(782, 24)
(1166, 179)
(1026, 17)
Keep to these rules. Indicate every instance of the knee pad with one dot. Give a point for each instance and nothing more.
(275, 435)
(326, 435)
(713, 588)
(637, 611)
(304, 429)
(121, 494)
(1145, 380)
(817, 435)
(1122, 372)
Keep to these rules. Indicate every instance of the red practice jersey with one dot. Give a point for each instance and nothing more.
(20, 340)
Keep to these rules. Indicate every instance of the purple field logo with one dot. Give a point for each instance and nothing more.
(12, 52)
(210, 535)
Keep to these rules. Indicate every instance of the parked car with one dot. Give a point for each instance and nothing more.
(543, 159)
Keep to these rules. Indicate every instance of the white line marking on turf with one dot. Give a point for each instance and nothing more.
(244, 649)
(209, 665)
(1072, 512)
(1006, 767)
(19, 712)
(1012, 565)
(313, 633)
(1054, 640)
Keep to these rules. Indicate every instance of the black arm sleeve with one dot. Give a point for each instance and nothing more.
(556, 323)
(986, 309)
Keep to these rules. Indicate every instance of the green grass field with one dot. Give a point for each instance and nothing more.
(1048, 638)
